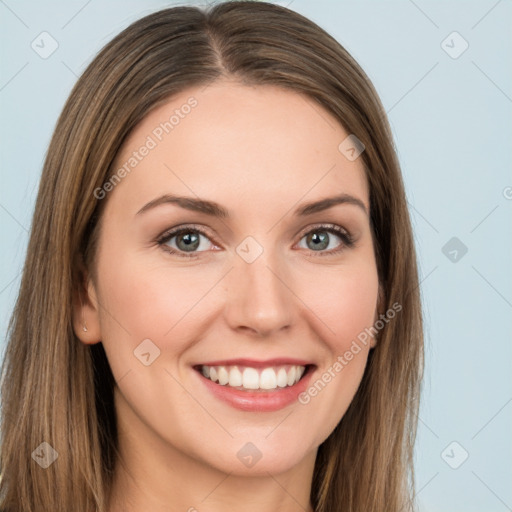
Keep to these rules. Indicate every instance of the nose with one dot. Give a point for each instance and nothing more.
(260, 299)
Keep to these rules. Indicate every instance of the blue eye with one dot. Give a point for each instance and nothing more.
(321, 237)
(188, 240)
(185, 241)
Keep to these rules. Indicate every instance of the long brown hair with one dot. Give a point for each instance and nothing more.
(58, 390)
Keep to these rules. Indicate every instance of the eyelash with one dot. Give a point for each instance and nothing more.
(346, 237)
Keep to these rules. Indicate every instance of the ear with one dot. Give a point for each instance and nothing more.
(86, 319)
(378, 311)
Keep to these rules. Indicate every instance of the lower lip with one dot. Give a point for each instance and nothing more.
(258, 401)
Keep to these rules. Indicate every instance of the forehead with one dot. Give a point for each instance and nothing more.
(238, 143)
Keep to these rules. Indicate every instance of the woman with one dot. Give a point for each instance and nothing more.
(219, 306)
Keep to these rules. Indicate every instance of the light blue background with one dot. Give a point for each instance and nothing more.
(451, 120)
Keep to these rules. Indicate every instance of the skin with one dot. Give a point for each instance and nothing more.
(260, 152)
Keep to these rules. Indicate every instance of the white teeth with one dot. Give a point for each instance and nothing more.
(251, 378)
(291, 375)
(223, 376)
(235, 377)
(282, 378)
(268, 379)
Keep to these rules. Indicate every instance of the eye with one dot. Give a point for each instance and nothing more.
(321, 237)
(187, 241)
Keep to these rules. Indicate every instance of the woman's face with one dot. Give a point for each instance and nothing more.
(255, 290)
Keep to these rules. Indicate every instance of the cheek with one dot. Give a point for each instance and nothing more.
(140, 301)
(345, 301)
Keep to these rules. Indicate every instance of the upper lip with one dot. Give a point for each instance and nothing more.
(253, 363)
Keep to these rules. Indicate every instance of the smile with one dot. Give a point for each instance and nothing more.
(256, 386)
(240, 377)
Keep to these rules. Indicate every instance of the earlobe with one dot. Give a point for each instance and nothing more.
(86, 323)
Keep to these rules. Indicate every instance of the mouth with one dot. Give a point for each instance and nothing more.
(256, 385)
(250, 378)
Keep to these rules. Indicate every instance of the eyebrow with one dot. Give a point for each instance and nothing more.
(216, 210)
